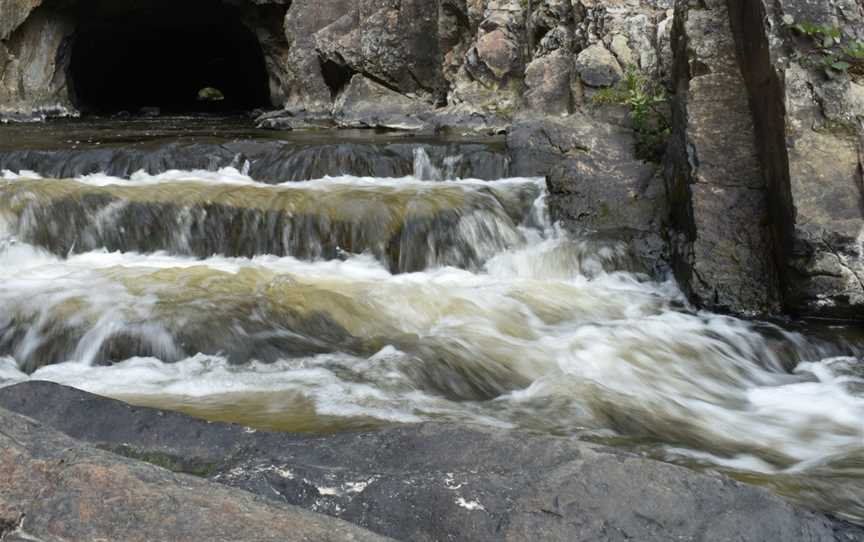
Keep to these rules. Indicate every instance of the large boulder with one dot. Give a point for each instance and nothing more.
(435, 481)
(393, 41)
(56, 488)
(724, 254)
(598, 67)
(598, 189)
(548, 83)
(367, 104)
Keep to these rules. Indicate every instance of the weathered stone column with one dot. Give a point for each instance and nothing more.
(723, 255)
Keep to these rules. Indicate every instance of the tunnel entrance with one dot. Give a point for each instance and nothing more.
(177, 57)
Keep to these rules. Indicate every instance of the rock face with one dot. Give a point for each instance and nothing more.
(33, 61)
(768, 198)
(597, 188)
(494, 57)
(426, 482)
(811, 133)
(13, 13)
(55, 488)
(717, 190)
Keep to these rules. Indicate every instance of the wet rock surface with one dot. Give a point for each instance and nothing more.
(597, 188)
(66, 149)
(424, 482)
(406, 227)
(56, 488)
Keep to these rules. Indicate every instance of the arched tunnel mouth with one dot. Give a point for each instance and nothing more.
(194, 56)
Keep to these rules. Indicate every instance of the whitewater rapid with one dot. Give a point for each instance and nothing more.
(503, 320)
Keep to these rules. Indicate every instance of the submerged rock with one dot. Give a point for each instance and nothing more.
(408, 227)
(435, 481)
(56, 488)
(267, 157)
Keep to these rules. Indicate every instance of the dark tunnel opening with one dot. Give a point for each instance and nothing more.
(178, 57)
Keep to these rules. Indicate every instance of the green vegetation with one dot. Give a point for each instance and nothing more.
(166, 461)
(647, 101)
(831, 50)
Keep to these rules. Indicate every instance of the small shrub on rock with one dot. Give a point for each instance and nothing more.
(647, 102)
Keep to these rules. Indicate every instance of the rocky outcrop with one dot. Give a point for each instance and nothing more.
(597, 188)
(810, 121)
(765, 168)
(424, 482)
(392, 43)
(718, 194)
(55, 488)
(33, 60)
(490, 57)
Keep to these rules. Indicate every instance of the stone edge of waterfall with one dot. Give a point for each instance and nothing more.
(419, 482)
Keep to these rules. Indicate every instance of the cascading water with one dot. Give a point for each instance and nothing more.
(358, 302)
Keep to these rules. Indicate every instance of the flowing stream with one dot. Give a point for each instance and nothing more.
(358, 302)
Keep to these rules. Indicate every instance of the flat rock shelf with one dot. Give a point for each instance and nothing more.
(419, 482)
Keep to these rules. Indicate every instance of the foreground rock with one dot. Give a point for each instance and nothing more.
(431, 481)
(55, 488)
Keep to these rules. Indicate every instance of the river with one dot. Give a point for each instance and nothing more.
(351, 301)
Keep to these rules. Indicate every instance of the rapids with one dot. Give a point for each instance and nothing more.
(348, 302)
